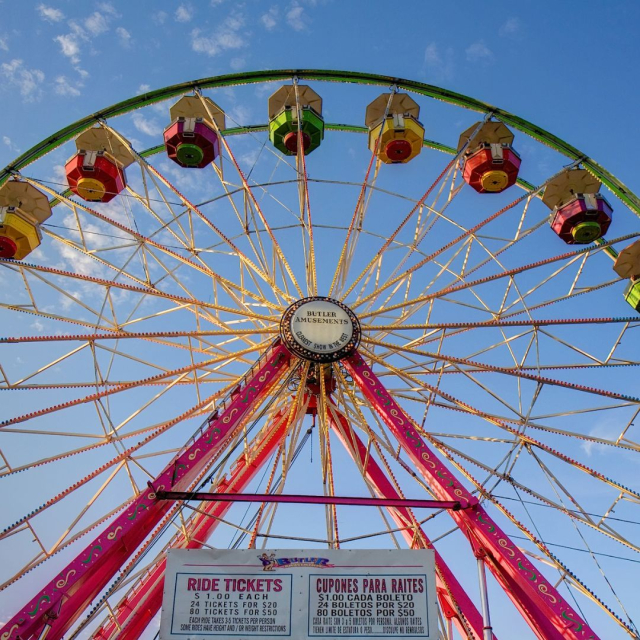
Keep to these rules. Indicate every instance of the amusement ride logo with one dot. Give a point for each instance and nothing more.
(320, 329)
(271, 563)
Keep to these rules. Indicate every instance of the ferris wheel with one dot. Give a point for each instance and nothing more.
(330, 292)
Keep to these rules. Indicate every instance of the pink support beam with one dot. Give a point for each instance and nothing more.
(549, 615)
(453, 599)
(136, 610)
(292, 498)
(65, 598)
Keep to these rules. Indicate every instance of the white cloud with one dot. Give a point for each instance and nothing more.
(249, 159)
(27, 81)
(439, 63)
(228, 35)
(124, 36)
(37, 326)
(239, 114)
(6, 140)
(606, 430)
(58, 177)
(143, 88)
(184, 13)
(479, 52)
(269, 19)
(432, 55)
(237, 63)
(84, 30)
(69, 47)
(77, 263)
(185, 181)
(107, 7)
(78, 30)
(146, 125)
(510, 27)
(50, 14)
(96, 23)
(266, 88)
(63, 87)
(3, 43)
(160, 17)
(204, 44)
(296, 17)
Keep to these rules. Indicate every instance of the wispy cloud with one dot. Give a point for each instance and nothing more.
(27, 81)
(85, 29)
(63, 87)
(6, 140)
(3, 43)
(96, 23)
(606, 430)
(108, 8)
(239, 114)
(479, 52)
(270, 19)
(510, 27)
(147, 126)
(229, 35)
(184, 13)
(124, 37)
(439, 62)
(160, 17)
(296, 17)
(69, 46)
(184, 180)
(50, 13)
(78, 263)
(266, 88)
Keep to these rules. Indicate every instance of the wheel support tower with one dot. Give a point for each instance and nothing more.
(54, 609)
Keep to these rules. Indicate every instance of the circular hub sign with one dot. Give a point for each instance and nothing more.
(320, 329)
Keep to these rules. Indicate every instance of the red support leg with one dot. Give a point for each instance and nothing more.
(549, 615)
(65, 598)
(454, 601)
(136, 610)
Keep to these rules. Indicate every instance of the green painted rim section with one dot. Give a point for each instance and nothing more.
(431, 91)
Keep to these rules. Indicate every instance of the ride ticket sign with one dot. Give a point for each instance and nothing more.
(302, 594)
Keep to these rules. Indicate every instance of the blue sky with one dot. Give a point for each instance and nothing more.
(570, 67)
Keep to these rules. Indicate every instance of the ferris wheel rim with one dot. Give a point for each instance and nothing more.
(52, 142)
(285, 75)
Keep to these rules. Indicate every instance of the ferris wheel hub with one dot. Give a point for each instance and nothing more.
(320, 329)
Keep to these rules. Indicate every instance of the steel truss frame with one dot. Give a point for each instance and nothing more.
(549, 615)
(54, 609)
(60, 603)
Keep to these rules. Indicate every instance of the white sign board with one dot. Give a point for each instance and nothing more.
(321, 326)
(317, 593)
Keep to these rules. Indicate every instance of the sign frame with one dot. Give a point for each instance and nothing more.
(306, 594)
